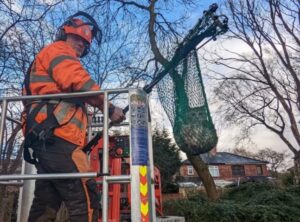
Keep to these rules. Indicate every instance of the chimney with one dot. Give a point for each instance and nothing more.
(213, 151)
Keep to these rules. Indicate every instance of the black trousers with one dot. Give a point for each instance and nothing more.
(79, 195)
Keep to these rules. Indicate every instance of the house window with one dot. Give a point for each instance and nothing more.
(238, 170)
(259, 170)
(190, 170)
(214, 171)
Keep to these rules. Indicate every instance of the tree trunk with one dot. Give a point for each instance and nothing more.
(297, 168)
(203, 172)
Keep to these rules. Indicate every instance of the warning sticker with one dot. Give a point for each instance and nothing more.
(139, 129)
(139, 144)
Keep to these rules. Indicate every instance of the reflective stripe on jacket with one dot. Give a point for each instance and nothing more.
(56, 69)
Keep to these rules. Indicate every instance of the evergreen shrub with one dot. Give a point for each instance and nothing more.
(250, 202)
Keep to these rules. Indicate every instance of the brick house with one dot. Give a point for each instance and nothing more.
(225, 166)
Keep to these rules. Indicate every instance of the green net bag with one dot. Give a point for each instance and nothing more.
(183, 97)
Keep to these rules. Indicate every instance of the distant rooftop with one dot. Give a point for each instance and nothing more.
(227, 158)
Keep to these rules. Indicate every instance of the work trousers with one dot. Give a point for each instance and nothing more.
(79, 195)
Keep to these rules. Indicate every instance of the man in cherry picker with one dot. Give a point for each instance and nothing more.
(55, 130)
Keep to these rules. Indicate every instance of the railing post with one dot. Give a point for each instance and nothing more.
(105, 160)
(140, 170)
(26, 193)
(2, 123)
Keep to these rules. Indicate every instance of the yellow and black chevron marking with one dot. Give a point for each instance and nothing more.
(144, 194)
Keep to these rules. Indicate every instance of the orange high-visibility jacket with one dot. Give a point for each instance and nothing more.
(56, 69)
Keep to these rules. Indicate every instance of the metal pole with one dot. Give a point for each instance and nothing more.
(26, 193)
(12, 183)
(139, 160)
(151, 174)
(115, 124)
(48, 176)
(105, 161)
(118, 179)
(62, 95)
(89, 128)
(20, 206)
(89, 131)
(2, 124)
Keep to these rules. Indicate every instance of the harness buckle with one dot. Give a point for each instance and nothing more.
(42, 135)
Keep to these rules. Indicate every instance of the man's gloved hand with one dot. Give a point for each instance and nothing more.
(116, 114)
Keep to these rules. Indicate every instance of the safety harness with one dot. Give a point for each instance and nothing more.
(41, 132)
(34, 131)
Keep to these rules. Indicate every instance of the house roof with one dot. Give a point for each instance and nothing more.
(227, 158)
